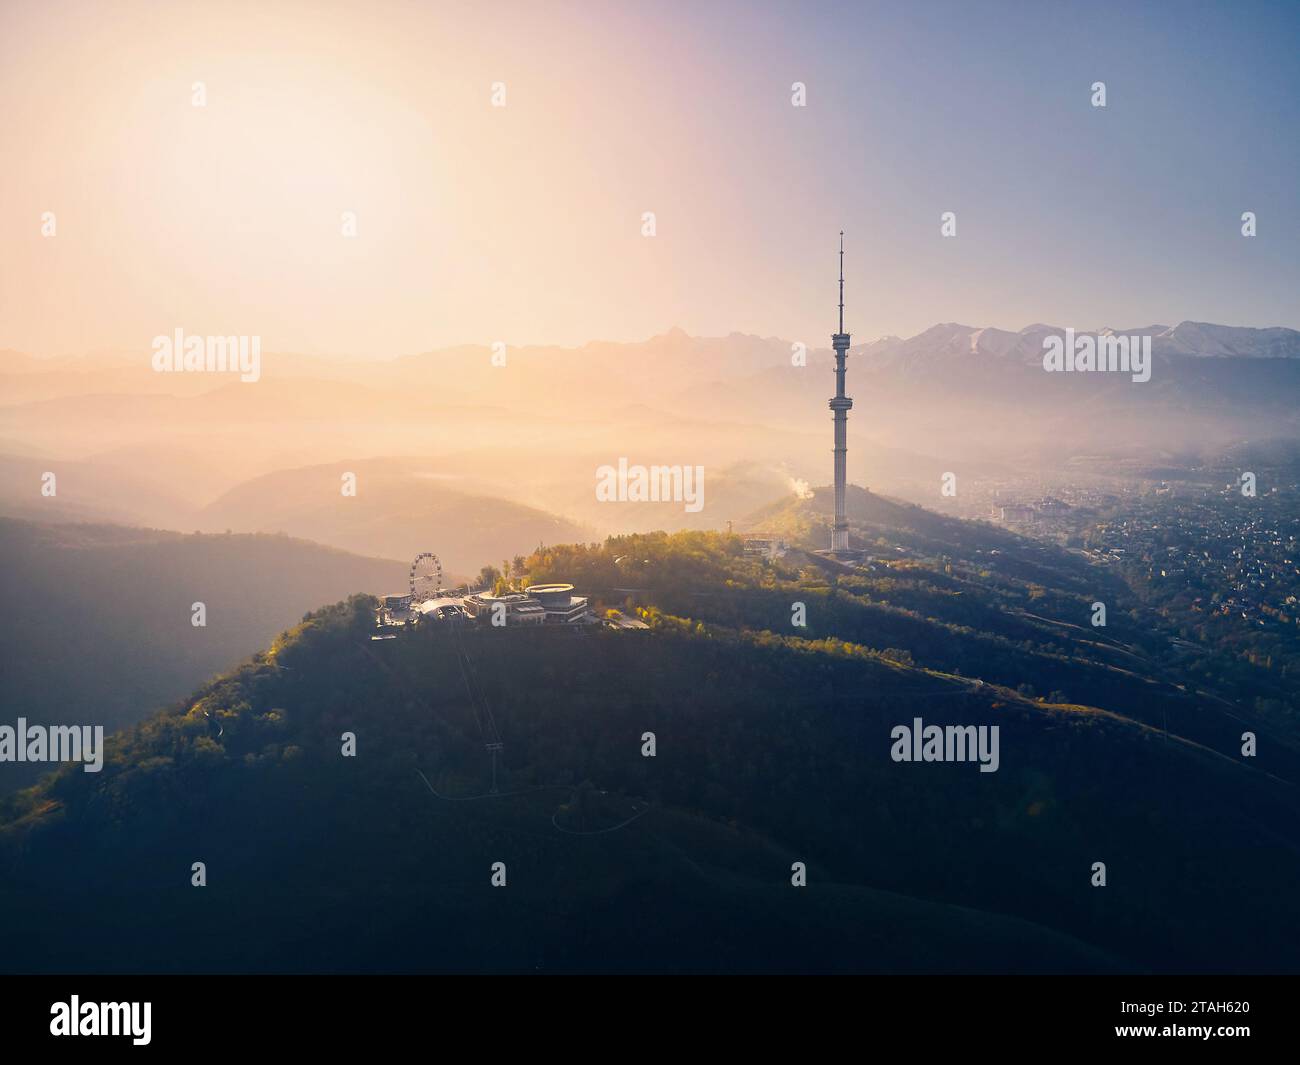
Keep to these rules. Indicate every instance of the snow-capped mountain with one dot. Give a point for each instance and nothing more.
(952, 340)
(1228, 341)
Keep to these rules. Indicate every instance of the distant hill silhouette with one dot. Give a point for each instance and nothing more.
(96, 627)
(401, 507)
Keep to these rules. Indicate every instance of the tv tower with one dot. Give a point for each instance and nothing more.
(841, 405)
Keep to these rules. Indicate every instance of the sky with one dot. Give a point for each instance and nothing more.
(524, 223)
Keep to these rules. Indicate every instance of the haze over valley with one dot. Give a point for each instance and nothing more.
(442, 431)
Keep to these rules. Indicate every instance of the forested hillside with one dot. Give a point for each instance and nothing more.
(98, 621)
(771, 747)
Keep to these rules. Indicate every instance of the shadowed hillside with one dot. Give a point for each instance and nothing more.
(98, 626)
(771, 749)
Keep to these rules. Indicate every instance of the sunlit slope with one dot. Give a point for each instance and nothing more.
(971, 597)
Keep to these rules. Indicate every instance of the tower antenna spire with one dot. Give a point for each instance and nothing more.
(841, 280)
(840, 406)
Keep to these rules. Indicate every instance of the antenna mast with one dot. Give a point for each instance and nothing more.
(841, 281)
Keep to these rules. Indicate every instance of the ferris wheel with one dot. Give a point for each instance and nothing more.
(426, 577)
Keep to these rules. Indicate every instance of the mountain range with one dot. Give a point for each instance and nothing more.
(1185, 340)
(454, 426)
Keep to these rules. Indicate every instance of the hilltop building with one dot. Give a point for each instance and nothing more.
(444, 608)
(395, 611)
(764, 545)
(561, 605)
(515, 607)
(542, 604)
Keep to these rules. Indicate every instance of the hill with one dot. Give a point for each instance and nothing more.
(771, 748)
(401, 507)
(959, 597)
(98, 621)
